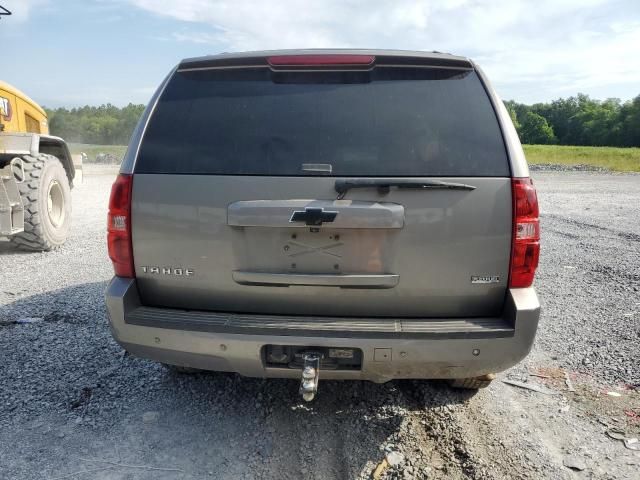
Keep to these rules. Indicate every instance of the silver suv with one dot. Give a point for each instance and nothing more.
(350, 214)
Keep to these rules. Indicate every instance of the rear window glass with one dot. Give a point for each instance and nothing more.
(386, 122)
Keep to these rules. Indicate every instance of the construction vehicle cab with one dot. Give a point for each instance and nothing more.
(36, 175)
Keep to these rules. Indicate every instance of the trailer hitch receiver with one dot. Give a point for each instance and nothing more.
(310, 375)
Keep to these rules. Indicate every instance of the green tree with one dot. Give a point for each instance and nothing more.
(104, 125)
(559, 114)
(535, 130)
(596, 122)
(580, 120)
(627, 130)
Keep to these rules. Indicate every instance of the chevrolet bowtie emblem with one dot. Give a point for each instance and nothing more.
(313, 216)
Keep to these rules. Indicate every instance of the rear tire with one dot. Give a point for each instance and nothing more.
(473, 383)
(46, 197)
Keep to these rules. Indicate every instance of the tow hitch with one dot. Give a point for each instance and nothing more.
(310, 375)
(308, 360)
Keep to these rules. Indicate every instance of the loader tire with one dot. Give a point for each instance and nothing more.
(473, 383)
(46, 197)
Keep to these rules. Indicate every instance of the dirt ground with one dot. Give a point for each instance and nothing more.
(73, 406)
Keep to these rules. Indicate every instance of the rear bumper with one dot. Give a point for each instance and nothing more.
(392, 348)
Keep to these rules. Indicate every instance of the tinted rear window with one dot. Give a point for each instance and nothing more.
(386, 122)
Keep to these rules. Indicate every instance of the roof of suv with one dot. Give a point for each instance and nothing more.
(393, 57)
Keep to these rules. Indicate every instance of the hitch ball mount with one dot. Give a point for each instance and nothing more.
(310, 375)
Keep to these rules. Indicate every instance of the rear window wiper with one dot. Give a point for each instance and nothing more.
(384, 185)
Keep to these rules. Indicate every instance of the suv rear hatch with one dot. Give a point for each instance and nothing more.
(324, 185)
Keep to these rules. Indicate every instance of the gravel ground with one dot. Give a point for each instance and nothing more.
(556, 167)
(73, 406)
(591, 260)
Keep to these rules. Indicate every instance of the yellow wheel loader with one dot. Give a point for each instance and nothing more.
(36, 175)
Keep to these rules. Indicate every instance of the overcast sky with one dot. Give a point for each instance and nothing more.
(73, 52)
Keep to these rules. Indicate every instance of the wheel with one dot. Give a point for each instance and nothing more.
(182, 370)
(46, 197)
(473, 383)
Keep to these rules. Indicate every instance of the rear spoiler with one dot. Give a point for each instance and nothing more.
(385, 58)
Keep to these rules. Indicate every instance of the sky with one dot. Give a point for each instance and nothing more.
(74, 52)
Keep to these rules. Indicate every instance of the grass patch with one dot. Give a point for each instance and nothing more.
(93, 150)
(612, 158)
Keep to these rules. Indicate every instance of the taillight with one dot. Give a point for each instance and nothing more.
(119, 227)
(525, 249)
(320, 60)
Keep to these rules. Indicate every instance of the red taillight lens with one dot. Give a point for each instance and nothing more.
(320, 60)
(119, 227)
(525, 249)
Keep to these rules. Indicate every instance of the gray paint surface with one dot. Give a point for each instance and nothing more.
(447, 236)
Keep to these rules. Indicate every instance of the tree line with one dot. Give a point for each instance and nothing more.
(578, 120)
(103, 125)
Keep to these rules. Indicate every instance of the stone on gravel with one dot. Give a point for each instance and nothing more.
(395, 459)
(574, 462)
